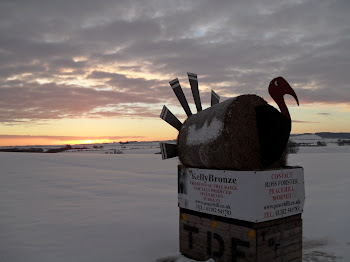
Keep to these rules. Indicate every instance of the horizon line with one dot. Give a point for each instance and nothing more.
(90, 140)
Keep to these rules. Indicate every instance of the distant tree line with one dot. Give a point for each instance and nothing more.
(57, 150)
(321, 143)
(36, 149)
(341, 142)
(292, 147)
(24, 150)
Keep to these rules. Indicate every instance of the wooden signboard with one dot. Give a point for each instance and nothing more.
(253, 196)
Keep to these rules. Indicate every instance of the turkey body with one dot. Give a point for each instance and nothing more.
(242, 133)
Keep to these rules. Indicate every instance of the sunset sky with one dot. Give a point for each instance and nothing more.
(83, 71)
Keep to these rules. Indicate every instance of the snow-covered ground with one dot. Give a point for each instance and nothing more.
(92, 206)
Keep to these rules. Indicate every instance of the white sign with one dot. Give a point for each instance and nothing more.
(254, 196)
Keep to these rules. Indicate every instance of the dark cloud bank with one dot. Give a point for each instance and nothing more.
(127, 51)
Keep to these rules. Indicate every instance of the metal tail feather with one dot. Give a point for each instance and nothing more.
(215, 98)
(180, 96)
(195, 92)
(168, 150)
(169, 117)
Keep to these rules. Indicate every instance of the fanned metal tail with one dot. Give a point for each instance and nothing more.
(215, 98)
(180, 96)
(169, 117)
(195, 92)
(168, 150)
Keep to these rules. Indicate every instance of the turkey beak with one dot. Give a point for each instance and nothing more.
(293, 94)
(287, 89)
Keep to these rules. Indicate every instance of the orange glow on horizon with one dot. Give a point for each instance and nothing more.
(42, 141)
(90, 141)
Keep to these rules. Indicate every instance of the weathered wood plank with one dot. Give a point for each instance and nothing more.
(203, 237)
(287, 253)
(262, 240)
(275, 222)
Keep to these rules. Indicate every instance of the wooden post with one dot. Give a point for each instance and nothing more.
(205, 236)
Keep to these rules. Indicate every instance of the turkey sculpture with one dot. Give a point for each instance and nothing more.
(241, 133)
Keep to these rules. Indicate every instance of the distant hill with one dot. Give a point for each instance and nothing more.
(306, 136)
(321, 135)
(334, 135)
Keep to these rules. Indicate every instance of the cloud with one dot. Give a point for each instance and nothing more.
(305, 122)
(122, 82)
(64, 59)
(52, 101)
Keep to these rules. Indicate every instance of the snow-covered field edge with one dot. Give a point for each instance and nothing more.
(91, 206)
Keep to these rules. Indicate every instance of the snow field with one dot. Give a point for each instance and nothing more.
(85, 207)
(123, 208)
